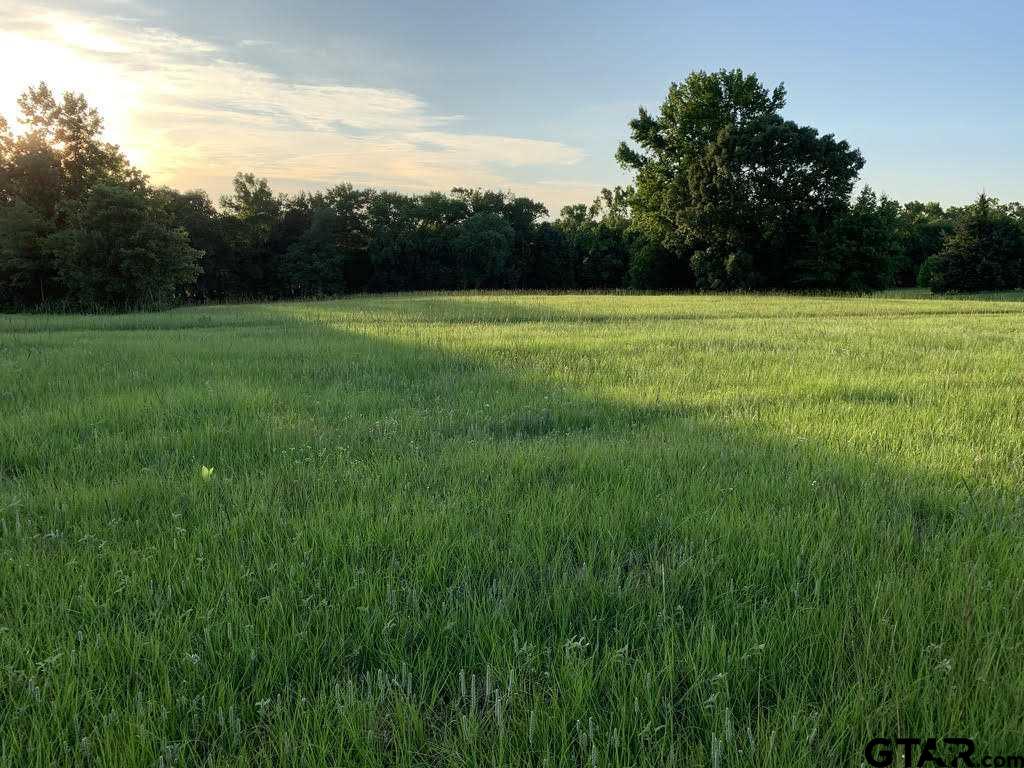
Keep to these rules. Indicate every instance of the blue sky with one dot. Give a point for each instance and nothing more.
(528, 96)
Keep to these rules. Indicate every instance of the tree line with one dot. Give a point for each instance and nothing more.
(727, 195)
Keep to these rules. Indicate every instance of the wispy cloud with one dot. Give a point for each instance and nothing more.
(191, 115)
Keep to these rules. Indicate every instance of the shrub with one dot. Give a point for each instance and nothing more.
(121, 250)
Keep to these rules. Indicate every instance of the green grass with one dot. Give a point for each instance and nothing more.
(658, 530)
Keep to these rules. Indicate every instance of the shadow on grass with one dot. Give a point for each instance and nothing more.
(484, 308)
(834, 553)
(385, 506)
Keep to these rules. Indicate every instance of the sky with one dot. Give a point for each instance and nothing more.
(530, 97)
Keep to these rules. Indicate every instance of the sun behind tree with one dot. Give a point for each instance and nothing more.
(80, 225)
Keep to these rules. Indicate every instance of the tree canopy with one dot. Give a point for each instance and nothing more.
(984, 252)
(78, 223)
(727, 194)
(723, 179)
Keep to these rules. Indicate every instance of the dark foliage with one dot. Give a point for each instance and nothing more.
(728, 195)
(121, 250)
(723, 179)
(985, 251)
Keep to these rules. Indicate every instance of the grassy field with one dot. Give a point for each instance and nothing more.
(512, 530)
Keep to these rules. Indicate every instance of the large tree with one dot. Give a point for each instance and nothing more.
(985, 252)
(194, 212)
(329, 256)
(483, 251)
(521, 214)
(402, 253)
(859, 252)
(923, 227)
(723, 179)
(252, 213)
(33, 175)
(74, 130)
(59, 160)
(121, 249)
(26, 264)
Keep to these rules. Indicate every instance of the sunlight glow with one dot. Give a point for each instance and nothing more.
(62, 59)
(190, 116)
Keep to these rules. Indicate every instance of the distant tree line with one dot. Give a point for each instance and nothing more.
(728, 195)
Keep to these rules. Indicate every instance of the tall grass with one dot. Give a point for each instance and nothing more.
(511, 530)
